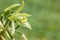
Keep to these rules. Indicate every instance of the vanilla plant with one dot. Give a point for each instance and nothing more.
(11, 20)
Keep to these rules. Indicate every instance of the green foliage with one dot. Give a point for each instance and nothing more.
(45, 18)
(10, 21)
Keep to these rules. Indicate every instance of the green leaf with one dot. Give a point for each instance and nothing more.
(25, 14)
(21, 14)
(20, 8)
(13, 27)
(11, 7)
(27, 24)
(1, 25)
(7, 34)
(23, 35)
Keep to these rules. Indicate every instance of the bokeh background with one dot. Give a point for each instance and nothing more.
(45, 19)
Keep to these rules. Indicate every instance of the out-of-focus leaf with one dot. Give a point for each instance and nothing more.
(23, 35)
(21, 14)
(25, 14)
(7, 34)
(11, 7)
(1, 25)
(13, 27)
(21, 7)
(27, 24)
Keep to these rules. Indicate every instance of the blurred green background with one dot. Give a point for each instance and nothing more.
(45, 19)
